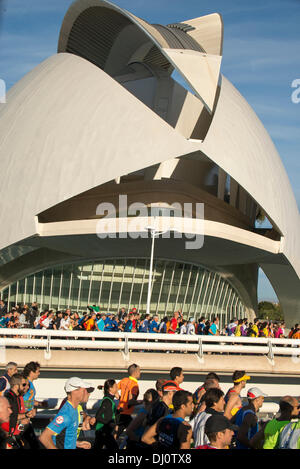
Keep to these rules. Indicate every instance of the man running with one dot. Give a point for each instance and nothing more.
(177, 376)
(62, 431)
(172, 432)
(215, 403)
(129, 396)
(10, 369)
(246, 419)
(233, 399)
(162, 408)
(289, 409)
(219, 431)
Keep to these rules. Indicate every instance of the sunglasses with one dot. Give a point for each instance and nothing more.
(23, 385)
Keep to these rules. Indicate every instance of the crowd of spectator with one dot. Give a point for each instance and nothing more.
(24, 316)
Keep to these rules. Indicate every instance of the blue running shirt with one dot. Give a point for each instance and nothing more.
(29, 397)
(65, 425)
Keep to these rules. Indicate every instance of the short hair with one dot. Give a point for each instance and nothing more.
(10, 365)
(107, 385)
(212, 375)
(212, 396)
(16, 379)
(180, 398)
(151, 395)
(176, 371)
(209, 384)
(29, 367)
(286, 404)
(132, 368)
(159, 383)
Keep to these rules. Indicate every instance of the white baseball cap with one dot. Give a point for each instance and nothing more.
(76, 383)
(253, 393)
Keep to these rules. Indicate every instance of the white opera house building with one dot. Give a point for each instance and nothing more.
(106, 117)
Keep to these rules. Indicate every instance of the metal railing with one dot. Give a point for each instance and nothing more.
(122, 341)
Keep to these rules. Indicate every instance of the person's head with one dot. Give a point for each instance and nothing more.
(289, 407)
(219, 431)
(78, 390)
(176, 315)
(5, 409)
(214, 398)
(32, 370)
(183, 402)
(168, 391)
(11, 368)
(158, 385)
(211, 383)
(134, 371)
(18, 384)
(176, 374)
(240, 378)
(214, 376)
(150, 396)
(256, 398)
(110, 387)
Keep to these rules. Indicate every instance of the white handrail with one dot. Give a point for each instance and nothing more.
(58, 339)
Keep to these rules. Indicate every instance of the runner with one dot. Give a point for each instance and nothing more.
(172, 432)
(214, 405)
(19, 418)
(177, 377)
(200, 391)
(10, 369)
(129, 396)
(5, 411)
(233, 399)
(137, 427)
(162, 408)
(66, 422)
(107, 418)
(32, 372)
(219, 431)
(289, 409)
(246, 419)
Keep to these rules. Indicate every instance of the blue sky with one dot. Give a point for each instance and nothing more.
(261, 57)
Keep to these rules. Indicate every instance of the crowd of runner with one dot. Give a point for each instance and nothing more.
(23, 316)
(167, 418)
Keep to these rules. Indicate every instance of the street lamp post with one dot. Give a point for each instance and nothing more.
(153, 233)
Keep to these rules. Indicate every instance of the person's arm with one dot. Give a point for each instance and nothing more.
(257, 440)
(83, 444)
(149, 435)
(46, 439)
(249, 421)
(233, 401)
(2, 384)
(134, 425)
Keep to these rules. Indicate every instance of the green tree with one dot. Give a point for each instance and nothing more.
(271, 311)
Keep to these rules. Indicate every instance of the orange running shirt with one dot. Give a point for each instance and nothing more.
(129, 388)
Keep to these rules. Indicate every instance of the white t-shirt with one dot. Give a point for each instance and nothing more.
(190, 329)
(64, 323)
